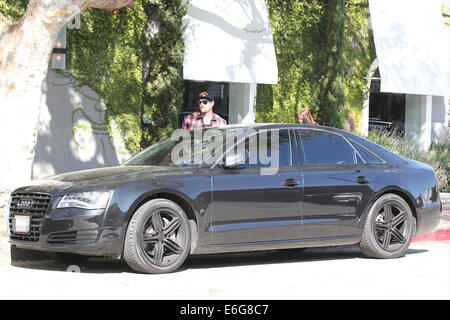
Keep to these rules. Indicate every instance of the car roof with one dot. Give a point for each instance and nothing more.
(379, 150)
(283, 125)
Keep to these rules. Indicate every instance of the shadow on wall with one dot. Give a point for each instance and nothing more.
(239, 36)
(72, 131)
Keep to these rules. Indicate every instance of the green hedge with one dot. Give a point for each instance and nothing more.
(437, 156)
(324, 51)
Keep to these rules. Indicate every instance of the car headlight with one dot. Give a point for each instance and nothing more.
(85, 200)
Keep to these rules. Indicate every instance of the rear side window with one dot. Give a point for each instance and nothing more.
(366, 154)
(325, 148)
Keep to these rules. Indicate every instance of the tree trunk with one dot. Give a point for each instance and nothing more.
(25, 51)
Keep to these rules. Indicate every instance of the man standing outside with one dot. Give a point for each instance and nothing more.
(206, 117)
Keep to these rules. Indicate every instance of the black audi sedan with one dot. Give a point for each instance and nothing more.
(236, 188)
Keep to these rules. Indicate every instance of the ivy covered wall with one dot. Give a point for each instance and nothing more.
(295, 31)
(105, 55)
(132, 58)
(324, 51)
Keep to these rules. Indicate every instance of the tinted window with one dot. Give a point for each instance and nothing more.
(366, 154)
(263, 147)
(322, 148)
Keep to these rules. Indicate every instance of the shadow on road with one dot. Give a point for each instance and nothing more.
(271, 257)
(103, 265)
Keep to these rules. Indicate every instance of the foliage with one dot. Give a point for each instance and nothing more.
(132, 59)
(437, 156)
(330, 64)
(105, 55)
(13, 10)
(163, 49)
(295, 28)
(324, 51)
(359, 52)
(446, 14)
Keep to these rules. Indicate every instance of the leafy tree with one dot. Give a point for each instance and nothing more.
(26, 42)
(163, 88)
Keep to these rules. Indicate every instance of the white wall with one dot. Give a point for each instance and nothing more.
(229, 41)
(66, 139)
(439, 117)
(241, 103)
(425, 120)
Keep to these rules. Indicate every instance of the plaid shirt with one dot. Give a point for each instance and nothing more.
(195, 121)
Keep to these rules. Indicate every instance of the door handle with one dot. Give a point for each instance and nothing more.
(290, 183)
(362, 180)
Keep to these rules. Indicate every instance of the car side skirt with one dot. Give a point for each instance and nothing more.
(280, 244)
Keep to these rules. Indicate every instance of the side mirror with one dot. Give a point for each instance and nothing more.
(232, 160)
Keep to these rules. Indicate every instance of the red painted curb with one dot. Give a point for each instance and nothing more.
(438, 235)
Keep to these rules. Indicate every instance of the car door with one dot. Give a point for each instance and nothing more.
(338, 184)
(251, 207)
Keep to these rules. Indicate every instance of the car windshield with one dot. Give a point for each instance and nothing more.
(186, 148)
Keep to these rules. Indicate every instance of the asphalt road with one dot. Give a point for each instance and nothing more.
(321, 273)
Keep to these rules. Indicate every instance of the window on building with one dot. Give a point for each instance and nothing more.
(386, 110)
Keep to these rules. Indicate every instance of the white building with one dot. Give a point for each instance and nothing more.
(228, 51)
(410, 83)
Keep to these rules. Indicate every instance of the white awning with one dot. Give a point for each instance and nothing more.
(412, 46)
(229, 41)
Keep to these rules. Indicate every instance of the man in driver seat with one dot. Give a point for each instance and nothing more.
(206, 117)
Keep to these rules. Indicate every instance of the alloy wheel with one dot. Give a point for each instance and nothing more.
(391, 226)
(388, 228)
(162, 237)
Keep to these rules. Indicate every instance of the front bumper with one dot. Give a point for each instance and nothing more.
(54, 229)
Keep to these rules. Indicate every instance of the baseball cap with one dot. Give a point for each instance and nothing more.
(205, 95)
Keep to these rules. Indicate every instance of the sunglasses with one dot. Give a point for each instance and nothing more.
(203, 102)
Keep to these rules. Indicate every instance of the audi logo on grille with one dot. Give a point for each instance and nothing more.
(25, 203)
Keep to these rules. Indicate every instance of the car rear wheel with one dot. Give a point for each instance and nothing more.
(158, 237)
(388, 229)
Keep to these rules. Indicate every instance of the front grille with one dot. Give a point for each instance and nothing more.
(80, 236)
(34, 205)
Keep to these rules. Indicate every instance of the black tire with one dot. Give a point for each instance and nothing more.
(158, 237)
(389, 228)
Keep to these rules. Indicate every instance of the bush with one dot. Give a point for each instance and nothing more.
(437, 156)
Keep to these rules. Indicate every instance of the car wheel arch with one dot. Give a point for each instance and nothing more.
(401, 193)
(179, 200)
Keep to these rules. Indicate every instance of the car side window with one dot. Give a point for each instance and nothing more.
(325, 148)
(366, 154)
(263, 147)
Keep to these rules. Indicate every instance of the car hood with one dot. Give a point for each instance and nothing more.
(103, 176)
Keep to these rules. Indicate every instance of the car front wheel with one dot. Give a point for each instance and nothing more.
(157, 238)
(388, 229)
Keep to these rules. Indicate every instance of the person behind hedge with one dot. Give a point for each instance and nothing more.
(206, 117)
